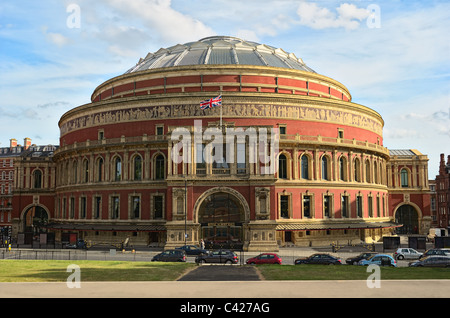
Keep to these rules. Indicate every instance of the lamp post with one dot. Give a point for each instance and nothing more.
(185, 210)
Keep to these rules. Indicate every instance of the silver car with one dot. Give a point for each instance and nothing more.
(407, 253)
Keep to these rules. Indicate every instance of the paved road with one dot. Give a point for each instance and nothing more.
(231, 289)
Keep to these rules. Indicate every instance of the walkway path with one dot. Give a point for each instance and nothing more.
(222, 273)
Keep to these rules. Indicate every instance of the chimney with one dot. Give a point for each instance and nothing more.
(26, 143)
(442, 164)
(12, 143)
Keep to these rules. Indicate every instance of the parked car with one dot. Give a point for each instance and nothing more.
(407, 253)
(191, 249)
(356, 259)
(170, 256)
(436, 251)
(219, 256)
(265, 258)
(380, 260)
(319, 258)
(432, 261)
(78, 244)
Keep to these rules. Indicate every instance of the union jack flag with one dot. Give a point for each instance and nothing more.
(210, 103)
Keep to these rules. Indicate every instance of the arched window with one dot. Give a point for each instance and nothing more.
(86, 170)
(37, 177)
(404, 178)
(117, 169)
(75, 172)
(159, 168)
(100, 169)
(375, 173)
(304, 167)
(137, 168)
(282, 167)
(342, 169)
(367, 171)
(357, 170)
(325, 172)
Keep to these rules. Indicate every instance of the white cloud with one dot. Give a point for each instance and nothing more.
(55, 38)
(349, 16)
(164, 23)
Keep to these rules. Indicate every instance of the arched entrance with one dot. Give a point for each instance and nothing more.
(35, 219)
(221, 216)
(408, 216)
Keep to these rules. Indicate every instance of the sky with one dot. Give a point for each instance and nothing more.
(393, 56)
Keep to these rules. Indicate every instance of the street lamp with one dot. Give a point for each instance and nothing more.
(185, 210)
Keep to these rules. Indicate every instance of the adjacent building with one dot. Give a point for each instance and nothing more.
(409, 191)
(442, 187)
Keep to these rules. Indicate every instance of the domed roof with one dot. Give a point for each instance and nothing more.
(217, 50)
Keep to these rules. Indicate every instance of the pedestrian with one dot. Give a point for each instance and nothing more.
(202, 244)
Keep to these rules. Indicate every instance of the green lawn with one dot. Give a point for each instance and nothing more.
(348, 272)
(56, 271)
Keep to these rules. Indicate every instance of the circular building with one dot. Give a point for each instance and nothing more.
(281, 157)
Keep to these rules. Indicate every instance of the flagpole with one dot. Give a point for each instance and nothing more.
(220, 94)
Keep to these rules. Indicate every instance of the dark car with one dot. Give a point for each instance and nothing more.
(356, 259)
(432, 261)
(265, 258)
(191, 250)
(78, 244)
(220, 256)
(170, 256)
(436, 252)
(323, 259)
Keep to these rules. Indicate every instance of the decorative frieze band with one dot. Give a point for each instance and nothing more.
(302, 112)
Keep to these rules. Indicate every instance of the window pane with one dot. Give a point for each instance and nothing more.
(404, 177)
(158, 201)
(327, 205)
(282, 167)
(136, 207)
(307, 206)
(284, 206)
(159, 168)
(324, 168)
(118, 170)
(305, 168)
(137, 168)
(115, 208)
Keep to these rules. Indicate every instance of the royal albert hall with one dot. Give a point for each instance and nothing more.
(116, 177)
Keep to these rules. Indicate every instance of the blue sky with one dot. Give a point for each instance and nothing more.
(396, 62)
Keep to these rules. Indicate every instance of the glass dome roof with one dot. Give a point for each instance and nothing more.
(219, 50)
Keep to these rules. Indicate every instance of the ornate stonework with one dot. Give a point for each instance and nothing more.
(307, 112)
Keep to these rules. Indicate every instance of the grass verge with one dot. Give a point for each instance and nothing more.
(348, 272)
(56, 270)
